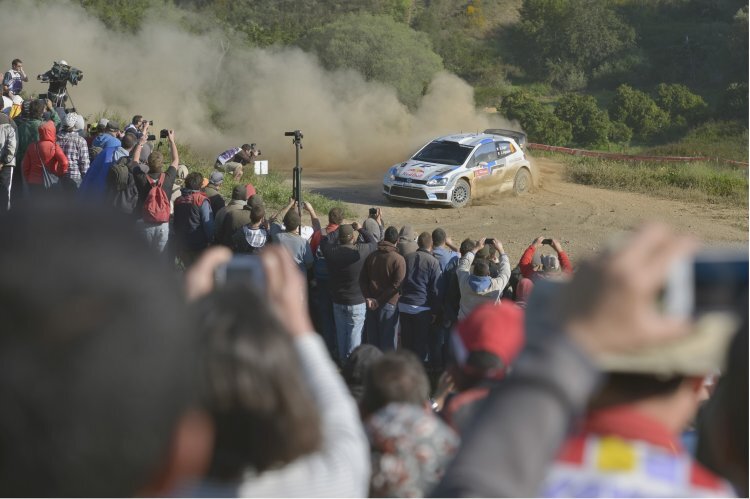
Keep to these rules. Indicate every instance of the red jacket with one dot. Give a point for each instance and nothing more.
(53, 156)
(527, 267)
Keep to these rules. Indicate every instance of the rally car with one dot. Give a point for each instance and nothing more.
(445, 171)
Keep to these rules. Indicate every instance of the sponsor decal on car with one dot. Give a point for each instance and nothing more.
(416, 172)
(481, 172)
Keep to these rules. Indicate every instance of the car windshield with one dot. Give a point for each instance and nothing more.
(444, 153)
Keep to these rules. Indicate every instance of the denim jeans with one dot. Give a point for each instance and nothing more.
(350, 320)
(157, 235)
(380, 327)
(415, 329)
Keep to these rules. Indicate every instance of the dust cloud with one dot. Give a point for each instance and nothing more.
(217, 95)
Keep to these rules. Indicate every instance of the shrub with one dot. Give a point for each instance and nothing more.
(734, 102)
(589, 124)
(639, 112)
(380, 49)
(619, 133)
(540, 124)
(680, 102)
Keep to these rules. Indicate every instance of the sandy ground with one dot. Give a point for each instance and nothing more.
(581, 217)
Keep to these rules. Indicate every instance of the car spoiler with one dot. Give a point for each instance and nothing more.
(519, 137)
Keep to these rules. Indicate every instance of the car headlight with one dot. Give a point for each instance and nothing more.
(437, 181)
(392, 176)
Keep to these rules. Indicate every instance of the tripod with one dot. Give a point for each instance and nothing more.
(297, 172)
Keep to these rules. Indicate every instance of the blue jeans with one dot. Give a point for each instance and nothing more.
(157, 235)
(380, 327)
(350, 320)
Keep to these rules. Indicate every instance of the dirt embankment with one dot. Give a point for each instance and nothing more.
(581, 217)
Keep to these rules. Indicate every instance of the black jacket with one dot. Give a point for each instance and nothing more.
(344, 266)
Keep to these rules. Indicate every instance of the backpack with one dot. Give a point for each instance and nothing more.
(121, 186)
(156, 205)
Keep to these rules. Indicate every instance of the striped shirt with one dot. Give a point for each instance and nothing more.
(75, 148)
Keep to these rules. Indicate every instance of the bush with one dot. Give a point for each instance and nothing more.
(680, 102)
(540, 124)
(734, 103)
(639, 112)
(565, 76)
(380, 49)
(589, 124)
(619, 133)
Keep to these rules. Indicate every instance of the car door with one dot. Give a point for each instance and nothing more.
(502, 169)
(483, 160)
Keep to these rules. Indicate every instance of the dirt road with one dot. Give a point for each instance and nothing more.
(581, 217)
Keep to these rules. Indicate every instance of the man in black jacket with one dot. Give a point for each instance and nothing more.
(419, 304)
(345, 260)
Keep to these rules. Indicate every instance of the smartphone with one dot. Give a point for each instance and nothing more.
(714, 280)
(548, 242)
(242, 269)
(490, 241)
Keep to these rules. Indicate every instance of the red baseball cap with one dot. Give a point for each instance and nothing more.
(497, 329)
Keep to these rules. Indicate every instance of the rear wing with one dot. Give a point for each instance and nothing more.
(519, 137)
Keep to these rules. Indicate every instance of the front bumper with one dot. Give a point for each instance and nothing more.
(418, 193)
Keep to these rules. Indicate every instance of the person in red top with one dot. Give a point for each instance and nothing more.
(549, 262)
(45, 153)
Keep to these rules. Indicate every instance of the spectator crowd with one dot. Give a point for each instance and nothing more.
(345, 359)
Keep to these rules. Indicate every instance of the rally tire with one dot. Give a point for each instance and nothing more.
(461, 194)
(522, 182)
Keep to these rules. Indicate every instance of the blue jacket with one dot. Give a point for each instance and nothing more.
(105, 140)
(420, 286)
(94, 183)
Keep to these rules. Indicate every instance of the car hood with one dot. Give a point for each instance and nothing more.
(420, 170)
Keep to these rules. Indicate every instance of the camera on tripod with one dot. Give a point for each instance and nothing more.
(297, 134)
(62, 72)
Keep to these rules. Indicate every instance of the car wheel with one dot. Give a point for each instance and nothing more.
(522, 183)
(461, 194)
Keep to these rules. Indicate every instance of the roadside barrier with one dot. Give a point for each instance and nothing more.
(629, 157)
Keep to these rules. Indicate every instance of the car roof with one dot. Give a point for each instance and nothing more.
(472, 139)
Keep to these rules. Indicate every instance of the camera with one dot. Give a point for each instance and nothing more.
(489, 241)
(244, 270)
(151, 123)
(714, 280)
(163, 134)
(548, 242)
(150, 137)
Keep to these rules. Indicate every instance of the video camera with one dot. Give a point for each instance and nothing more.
(62, 73)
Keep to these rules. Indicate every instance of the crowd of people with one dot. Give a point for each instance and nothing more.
(359, 359)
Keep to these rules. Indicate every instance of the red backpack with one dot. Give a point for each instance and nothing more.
(156, 206)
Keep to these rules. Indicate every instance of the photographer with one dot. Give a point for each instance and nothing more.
(233, 160)
(374, 224)
(14, 78)
(550, 264)
(58, 77)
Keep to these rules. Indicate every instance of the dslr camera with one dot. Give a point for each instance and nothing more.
(163, 134)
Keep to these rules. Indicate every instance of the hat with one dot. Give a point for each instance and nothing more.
(250, 190)
(410, 449)
(112, 126)
(71, 121)
(346, 232)
(407, 233)
(497, 329)
(103, 122)
(216, 178)
(239, 192)
(699, 353)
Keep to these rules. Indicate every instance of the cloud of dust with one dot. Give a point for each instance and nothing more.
(187, 81)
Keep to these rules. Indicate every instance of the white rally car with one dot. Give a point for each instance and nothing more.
(446, 170)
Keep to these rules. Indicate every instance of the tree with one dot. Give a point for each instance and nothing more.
(540, 124)
(734, 102)
(589, 124)
(380, 49)
(583, 33)
(639, 112)
(681, 103)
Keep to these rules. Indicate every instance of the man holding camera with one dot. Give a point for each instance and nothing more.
(233, 160)
(475, 284)
(374, 223)
(549, 263)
